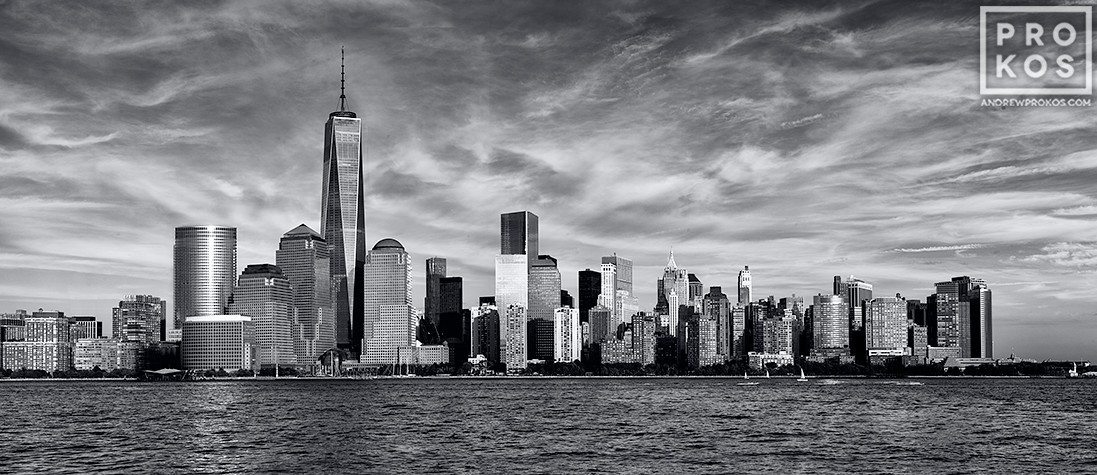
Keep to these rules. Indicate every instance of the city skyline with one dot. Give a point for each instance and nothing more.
(1000, 210)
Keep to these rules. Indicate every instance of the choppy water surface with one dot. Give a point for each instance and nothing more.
(550, 425)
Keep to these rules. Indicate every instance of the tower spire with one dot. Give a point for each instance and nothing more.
(342, 79)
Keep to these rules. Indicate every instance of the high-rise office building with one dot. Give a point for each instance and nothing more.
(616, 280)
(886, 325)
(590, 286)
(830, 319)
(517, 253)
(601, 327)
(675, 286)
(701, 340)
(566, 300)
(219, 342)
(568, 340)
(204, 271)
(389, 318)
(982, 342)
(738, 325)
(484, 338)
(139, 318)
(518, 234)
(12, 327)
(746, 286)
(856, 292)
(513, 339)
(436, 270)
(696, 291)
(343, 220)
(47, 344)
(944, 313)
(85, 326)
(264, 294)
(450, 304)
(778, 335)
(544, 299)
(304, 258)
(717, 305)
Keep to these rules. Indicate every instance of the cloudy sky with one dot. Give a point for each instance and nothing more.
(805, 141)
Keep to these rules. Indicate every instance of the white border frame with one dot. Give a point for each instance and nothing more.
(983, 89)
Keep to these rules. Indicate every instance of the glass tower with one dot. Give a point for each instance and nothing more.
(343, 220)
(303, 256)
(389, 318)
(204, 270)
(266, 295)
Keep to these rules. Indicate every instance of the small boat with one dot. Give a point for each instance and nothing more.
(745, 375)
(767, 373)
(752, 383)
(1074, 372)
(803, 377)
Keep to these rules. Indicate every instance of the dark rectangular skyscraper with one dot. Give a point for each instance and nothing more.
(518, 233)
(436, 270)
(590, 285)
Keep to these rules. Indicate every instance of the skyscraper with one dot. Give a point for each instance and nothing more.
(567, 341)
(204, 271)
(616, 280)
(830, 318)
(513, 339)
(982, 343)
(85, 326)
(304, 258)
(675, 285)
(518, 233)
(450, 304)
(717, 306)
(264, 294)
(590, 286)
(138, 318)
(388, 316)
(484, 338)
(343, 219)
(696, 291)
(944, 312)
(517, 252)
(745, 286)
(544, 298)
(436, 270)
(886, 324)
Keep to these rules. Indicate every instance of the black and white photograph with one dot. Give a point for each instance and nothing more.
(547, 236)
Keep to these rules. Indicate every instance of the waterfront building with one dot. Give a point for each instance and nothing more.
(746, 286)
(830, 319)
(759, 360)
(701, 341)
(204, 271)
(544, 299)
(943, 315)
(389, 318)
(139, 318)
(778, 335)
(451, 323)
(485, 333)
(423, 355)
(343, 220)
(974, 317)
(219, 342)
(886, 326)
(513, 339)
(265, 294)
(47, 344)
(12, 327)
(91, 353)
(568, 339)
(304, 258)
(716, 305)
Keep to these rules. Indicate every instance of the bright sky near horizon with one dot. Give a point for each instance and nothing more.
(805, 140)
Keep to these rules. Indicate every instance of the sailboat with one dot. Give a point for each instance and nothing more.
(1074, 372)
(803, 377)
(748, 382)
(767, 373)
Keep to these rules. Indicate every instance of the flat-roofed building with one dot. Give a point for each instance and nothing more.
(219, 342)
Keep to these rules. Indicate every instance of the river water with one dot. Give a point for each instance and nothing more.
(550, 425)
